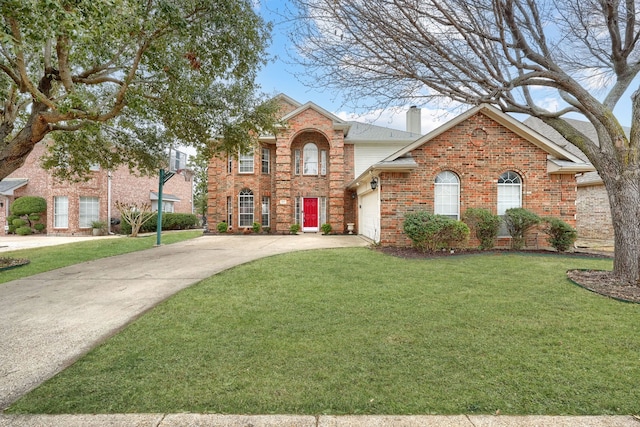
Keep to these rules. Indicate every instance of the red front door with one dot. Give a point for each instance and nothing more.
(310, 208)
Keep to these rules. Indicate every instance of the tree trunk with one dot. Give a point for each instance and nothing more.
(624, 197)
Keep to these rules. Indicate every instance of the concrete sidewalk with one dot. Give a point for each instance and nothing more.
(50, 320)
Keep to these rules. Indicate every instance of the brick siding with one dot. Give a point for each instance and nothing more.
(125, 187)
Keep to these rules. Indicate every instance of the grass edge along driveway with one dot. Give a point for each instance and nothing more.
(353, 331)
(49, 258)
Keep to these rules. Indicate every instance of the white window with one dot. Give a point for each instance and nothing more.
(509, 196)
(89, 211)
(310, 159)
(245, 208)
(61, 212)
(298, 211)
(266, 160)
(230, 211)
(447, 195)
(323, 162)
(167, 206)
(296, 162)
(323, 210)
(245, 163)
(229, 164)
(266, 208)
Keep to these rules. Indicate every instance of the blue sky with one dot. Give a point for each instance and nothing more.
(278, 76)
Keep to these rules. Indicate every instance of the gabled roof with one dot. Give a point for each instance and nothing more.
(9, 185)
(288, 100)
(338, 123)
(505, 120)
(559, 159)
(360, 132)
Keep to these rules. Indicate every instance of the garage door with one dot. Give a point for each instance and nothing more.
(369, 215)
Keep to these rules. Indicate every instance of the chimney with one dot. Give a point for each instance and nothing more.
(414, 124)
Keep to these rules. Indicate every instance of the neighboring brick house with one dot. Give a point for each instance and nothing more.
(71, 207)
(322, 169)
(593, 212)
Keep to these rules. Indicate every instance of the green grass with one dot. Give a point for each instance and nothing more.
(49, 258)
(353, 331)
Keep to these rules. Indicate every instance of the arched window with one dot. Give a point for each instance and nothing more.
(509, 195)
(310, 159)
(447, 195)
(245, 208)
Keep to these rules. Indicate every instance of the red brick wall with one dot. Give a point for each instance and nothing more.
(125, 187)
(478, 165)
(281, 185)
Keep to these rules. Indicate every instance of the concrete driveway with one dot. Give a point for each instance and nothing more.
(49, 320)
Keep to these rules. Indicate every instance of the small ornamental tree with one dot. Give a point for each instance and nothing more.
(484, 224)
(518, 221)
(135, 215)
(28, 208)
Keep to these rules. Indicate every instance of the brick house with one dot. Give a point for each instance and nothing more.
(71, 207)
(320, 169)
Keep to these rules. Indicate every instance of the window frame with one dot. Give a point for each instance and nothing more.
(266, 160)
(310, 157)
(246, 208)
(246, 163)
(503, 205)
(88, 211)
(266, 211)
(58, 215)
(442, 195)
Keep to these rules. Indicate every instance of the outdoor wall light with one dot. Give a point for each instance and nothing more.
(374, 183)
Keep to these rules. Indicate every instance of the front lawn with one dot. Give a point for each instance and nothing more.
(354, 331)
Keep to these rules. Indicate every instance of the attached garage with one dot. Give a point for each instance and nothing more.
(369, 214)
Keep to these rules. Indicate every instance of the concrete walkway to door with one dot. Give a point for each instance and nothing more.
(49, 320)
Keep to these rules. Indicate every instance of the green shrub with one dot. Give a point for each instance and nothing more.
(34, 217)
(23, 231)
(39, 227)
(222, 227)
(518, 221)
(326, 228)
(429, 232)
(560, 234)
(256, 227)
(27, 205)
(484, 224)
(170, 221)
(12, 228)
(19, 222)
(294, 228)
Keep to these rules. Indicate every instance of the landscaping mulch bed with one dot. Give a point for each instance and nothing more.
(598, 281)
(9, 263)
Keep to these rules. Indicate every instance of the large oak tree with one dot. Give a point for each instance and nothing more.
(116, 82)
(514, 54)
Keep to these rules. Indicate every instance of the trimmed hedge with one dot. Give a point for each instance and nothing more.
(170, 221)
(560, 234)
(429, 232)
(27, 205)
(485, 225)
(518, 221)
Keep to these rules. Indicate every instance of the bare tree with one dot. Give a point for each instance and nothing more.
(514, 54)
(135, 214)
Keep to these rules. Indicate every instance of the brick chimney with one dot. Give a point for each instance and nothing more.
(414, 123)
